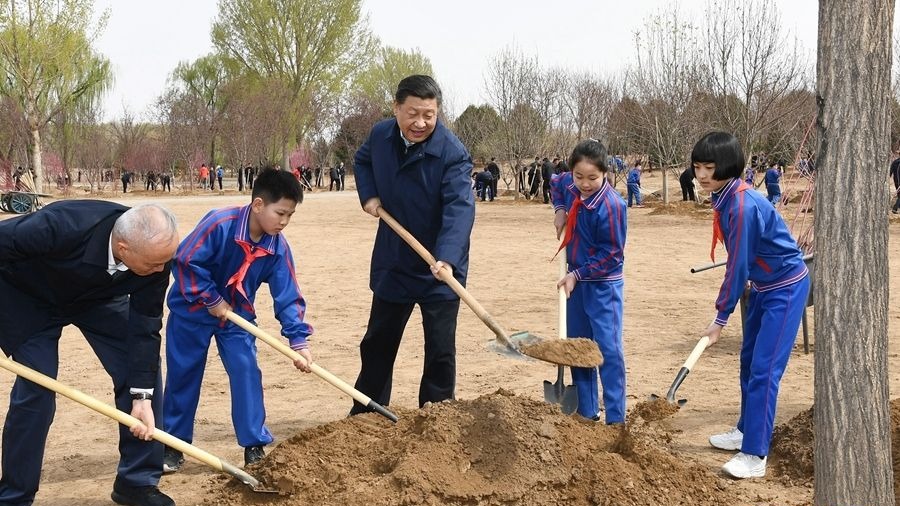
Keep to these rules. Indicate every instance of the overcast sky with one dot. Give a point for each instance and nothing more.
(144, 40)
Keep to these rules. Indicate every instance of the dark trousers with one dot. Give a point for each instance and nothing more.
(335, 183)
(897, 202)
(378, 350)
(32, 407)
(687, 191)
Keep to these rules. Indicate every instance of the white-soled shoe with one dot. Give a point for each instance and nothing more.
(743, 465)
(731, 440)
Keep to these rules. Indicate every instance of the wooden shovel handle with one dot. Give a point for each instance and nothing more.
(447, 277)
(696, 352)
(563, 270)
(126, 420)
(286, 350)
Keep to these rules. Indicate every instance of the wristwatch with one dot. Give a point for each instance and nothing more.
(142, 396)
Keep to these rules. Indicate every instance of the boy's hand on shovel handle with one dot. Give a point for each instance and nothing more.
(304, 365)
(559, 221)
(143, 411)
(713, 332)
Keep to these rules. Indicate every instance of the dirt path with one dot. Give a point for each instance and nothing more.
(512, 276)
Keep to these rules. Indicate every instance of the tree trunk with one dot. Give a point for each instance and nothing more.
(851, 415)
(665, 185)
(37, 160)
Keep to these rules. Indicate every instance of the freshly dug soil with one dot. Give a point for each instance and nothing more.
(654, 410)
(793, 443)
(498, 449)
(575, 352)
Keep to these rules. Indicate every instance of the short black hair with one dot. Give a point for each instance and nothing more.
(272, 185)
(591, 151)
(420, 86)
(722, 149)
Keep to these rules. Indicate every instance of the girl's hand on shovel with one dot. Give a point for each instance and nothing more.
(567, 283)
(713, 332)
(303, 365)
(143, 411)
(559, 222)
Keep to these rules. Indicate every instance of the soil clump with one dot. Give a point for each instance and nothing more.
(575, 352)
(654, 410)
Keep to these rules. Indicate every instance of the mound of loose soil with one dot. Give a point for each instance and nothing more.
(680, 208)
(793, 443)
(496, 449)
(575, 352)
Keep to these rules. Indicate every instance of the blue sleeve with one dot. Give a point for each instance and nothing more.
(744, 230)
(289, 304)
(458, 202)
(362, 171)
(192, 267)
(606, 260)
(558, 191)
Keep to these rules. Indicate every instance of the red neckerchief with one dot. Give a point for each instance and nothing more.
(570, 224)
(249, 257)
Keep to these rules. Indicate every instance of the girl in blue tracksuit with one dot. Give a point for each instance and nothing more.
(592, 215)
(634, 185)
(218, 268)
(762, 251)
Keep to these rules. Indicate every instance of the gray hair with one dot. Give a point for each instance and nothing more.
(145, 224)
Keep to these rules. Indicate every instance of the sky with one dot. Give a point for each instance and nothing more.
(145, 40)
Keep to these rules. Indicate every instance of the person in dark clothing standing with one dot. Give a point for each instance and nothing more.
(687, 185)
(241, 174)
(494, 169)
(103, 268)
(126, 178)
(895, 178)
(342, 172)
(417, 170)
(251, 175)
(546, 172)
(334, 177)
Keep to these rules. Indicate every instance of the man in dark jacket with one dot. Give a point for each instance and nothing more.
(416, 169)
(105, 269)
(494, 169)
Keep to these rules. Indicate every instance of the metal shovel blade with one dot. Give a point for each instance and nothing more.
(560, 393)
(679, 402)
(516, 342)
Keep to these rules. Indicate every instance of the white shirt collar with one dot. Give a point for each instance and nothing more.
(408, 143)
(111, 265)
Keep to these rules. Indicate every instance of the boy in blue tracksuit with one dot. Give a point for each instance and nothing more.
(634, 185)
(592, 215)
(773, 186)
(218, 268)
(762, 251)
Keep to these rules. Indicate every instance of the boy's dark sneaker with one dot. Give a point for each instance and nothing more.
(139, 496)
(172, 460)
(253, 454)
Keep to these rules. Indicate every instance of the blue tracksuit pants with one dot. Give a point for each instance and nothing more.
(187, 343)
(634, 193)
(594, 311)
(771, 324)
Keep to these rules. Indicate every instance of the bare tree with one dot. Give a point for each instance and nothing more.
(750, 59)
(851, 413)
(663, 88)
(129, 134)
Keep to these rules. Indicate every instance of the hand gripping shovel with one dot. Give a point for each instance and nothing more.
(559, 392)
(318, 371)
(684, 371)
(130, 421)
(515, 344)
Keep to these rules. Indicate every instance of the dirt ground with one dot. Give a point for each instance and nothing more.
(512, 276)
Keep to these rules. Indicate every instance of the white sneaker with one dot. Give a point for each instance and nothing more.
(743, 465)
(731, 440)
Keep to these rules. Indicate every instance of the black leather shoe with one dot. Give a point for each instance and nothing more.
(139, 496)
(253, 454)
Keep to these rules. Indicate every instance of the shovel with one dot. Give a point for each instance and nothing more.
(559, 392)
(684, 371)
(505, 343)
(316, 369)
(130, 421)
